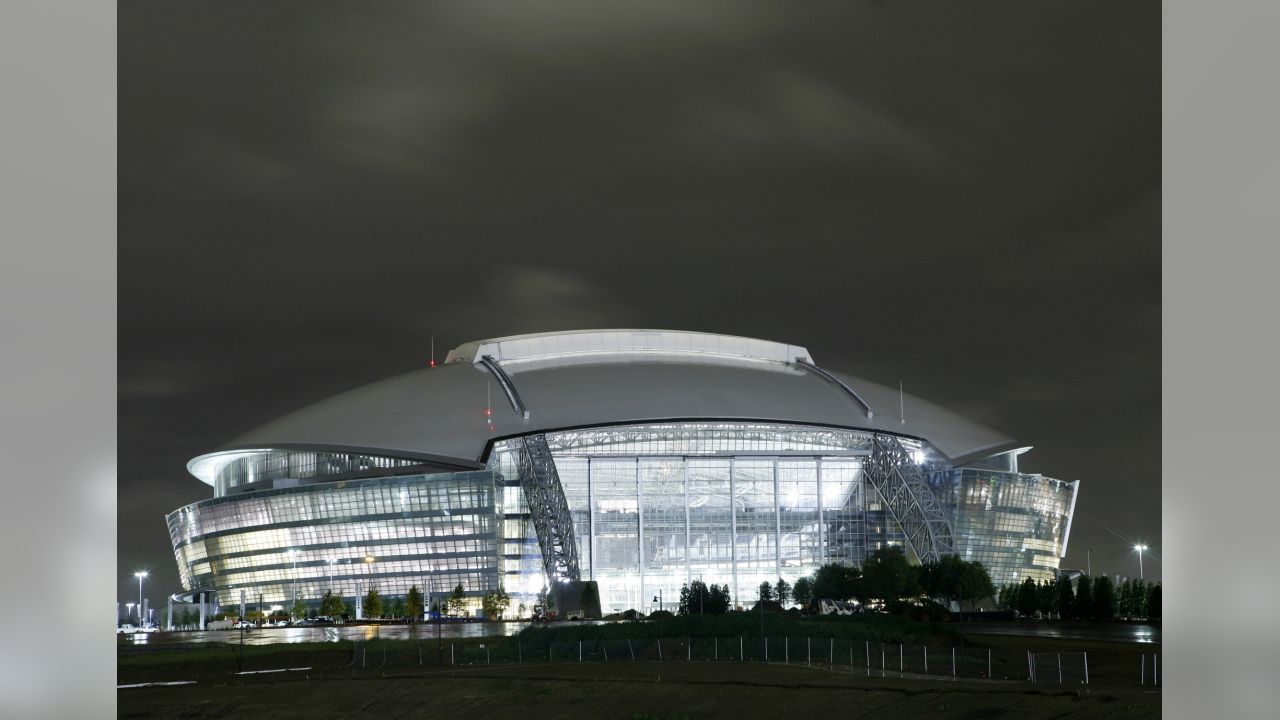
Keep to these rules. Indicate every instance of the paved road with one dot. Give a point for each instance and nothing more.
(269, 636)
(1120, 632)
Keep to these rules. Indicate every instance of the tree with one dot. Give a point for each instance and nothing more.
(782, 589)
(802, 593)
(590, 599)
(1028, 598)
(889, 576)
(1153, 602)
(1046, 598)
(766, 591)
(955, 580)
(495, 603)
(1137, 599)
(1066, 599)
(1008, 599)
(719, 601)
(397, 608)
(299, 609)
(837, 582)
(1084, 597)
(372, 603)
(1104, 607)
(546, 599)
(695, 599)
(413, 605)
(348, 609)
(931, 573)
(331, 604)
(457, 600)
(1128, 601)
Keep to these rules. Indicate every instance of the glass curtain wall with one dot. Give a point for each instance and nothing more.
(733, 504)
(1013, 523)
(433, 531)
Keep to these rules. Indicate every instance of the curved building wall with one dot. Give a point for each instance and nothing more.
(270, 467)
(1017, 525)
(433, 531)
(653, 505)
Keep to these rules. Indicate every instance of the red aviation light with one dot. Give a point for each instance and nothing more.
(433, 362)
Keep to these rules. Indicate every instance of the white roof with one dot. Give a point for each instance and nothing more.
(601, 343)
(605, 377)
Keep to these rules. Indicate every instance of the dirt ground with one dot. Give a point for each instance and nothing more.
(662, 691)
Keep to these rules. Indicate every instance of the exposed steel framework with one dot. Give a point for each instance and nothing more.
(548, 509)
(902, 485)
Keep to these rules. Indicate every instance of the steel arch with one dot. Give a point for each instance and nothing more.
(549, 509)
(910, 501)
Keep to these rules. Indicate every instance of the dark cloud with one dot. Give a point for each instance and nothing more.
(961, 197)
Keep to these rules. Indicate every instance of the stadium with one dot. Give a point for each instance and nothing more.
(637, 459)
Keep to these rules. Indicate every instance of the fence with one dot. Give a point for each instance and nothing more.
(867, 658)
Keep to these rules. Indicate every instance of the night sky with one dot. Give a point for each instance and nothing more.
(963, 197)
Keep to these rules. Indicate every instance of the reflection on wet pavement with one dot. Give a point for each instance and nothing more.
(269, 636)
(1122, 632)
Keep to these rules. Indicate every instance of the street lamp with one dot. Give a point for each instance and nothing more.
(128, 608)
(141, 575)
(293, 555)
(1140, 549)
(368, 564)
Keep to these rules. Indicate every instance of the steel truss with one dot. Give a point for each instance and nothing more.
(701, 438)
(548, 509)
(910, 501)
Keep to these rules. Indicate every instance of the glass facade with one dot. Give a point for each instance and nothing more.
(736, 504)
(652, 505)
(1015, 524)
(274, 466)
(433, 531)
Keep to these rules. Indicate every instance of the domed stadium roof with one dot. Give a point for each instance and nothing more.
(553, 381)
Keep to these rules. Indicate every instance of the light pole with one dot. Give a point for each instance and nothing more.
(1140, 549)
(128, 608)
(293, 555)
(141, 575)
(439, 624)
(368, 564)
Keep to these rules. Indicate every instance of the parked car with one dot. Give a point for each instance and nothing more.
(148, 628)
(126, 629)
(242, 624)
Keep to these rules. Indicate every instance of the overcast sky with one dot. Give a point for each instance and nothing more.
(963, 197)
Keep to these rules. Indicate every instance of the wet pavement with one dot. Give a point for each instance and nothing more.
(271, 636)
(1117, 632)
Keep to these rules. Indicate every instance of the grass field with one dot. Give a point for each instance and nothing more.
(661, 691)
(684, 667)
